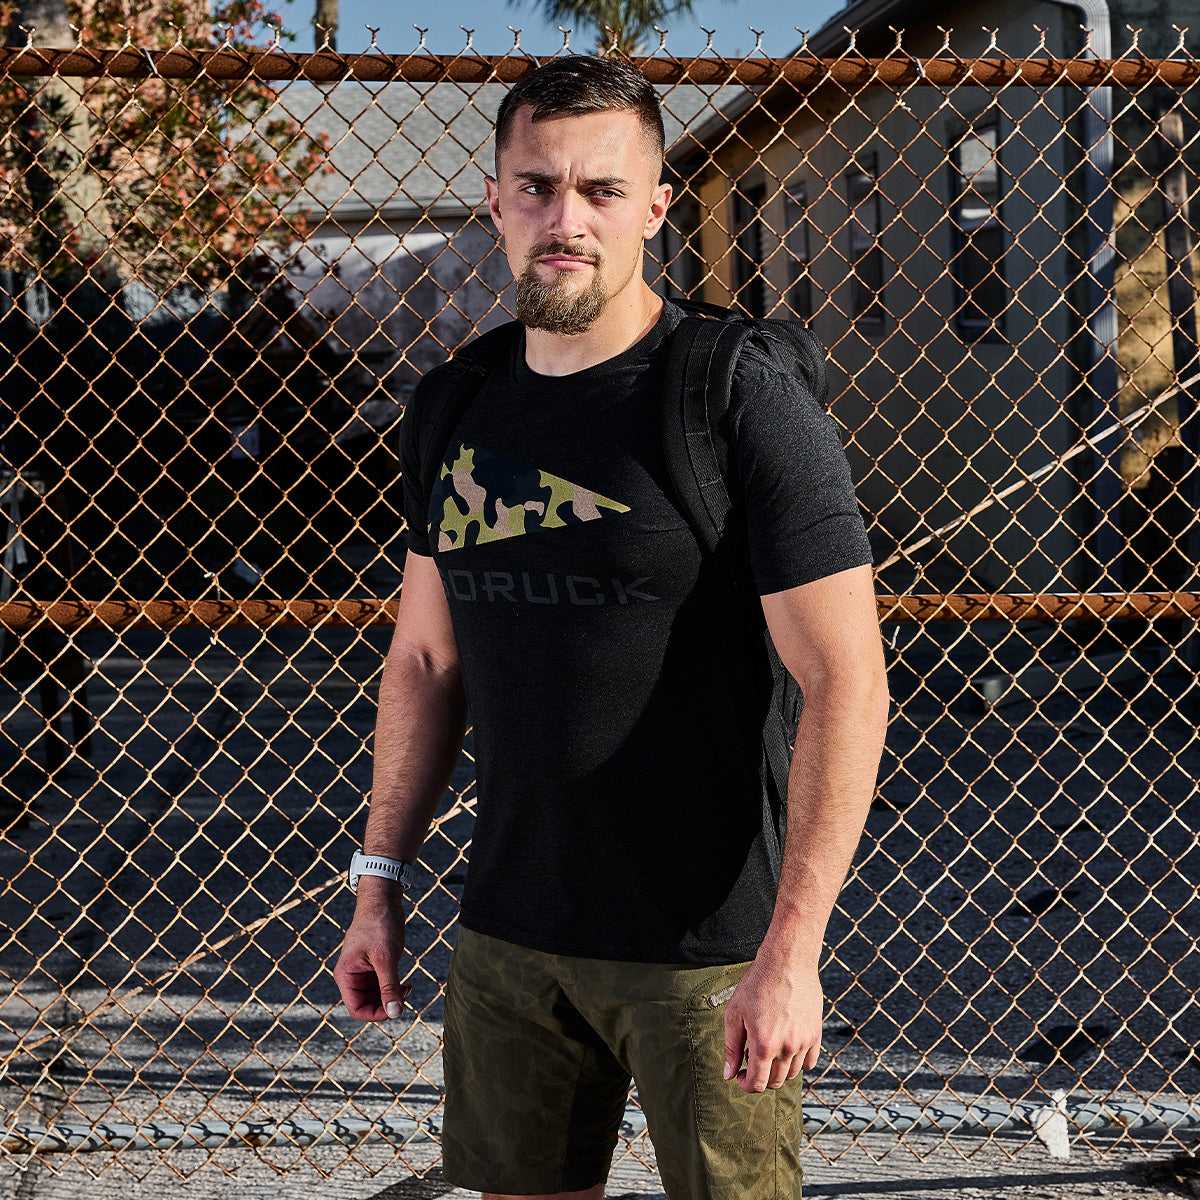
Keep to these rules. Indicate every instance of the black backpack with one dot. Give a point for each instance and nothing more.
(703, 354)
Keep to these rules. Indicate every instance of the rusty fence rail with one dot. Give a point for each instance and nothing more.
(222, 269)
(68, 616)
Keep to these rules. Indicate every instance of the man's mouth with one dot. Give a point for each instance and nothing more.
(565, 262)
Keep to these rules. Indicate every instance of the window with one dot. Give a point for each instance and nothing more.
(981, 291)
(866, 254)
(749, 285)
(796, 242)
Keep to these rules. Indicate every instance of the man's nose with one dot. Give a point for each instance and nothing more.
(567, 215)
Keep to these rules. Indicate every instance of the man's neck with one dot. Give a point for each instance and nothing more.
(622, 324)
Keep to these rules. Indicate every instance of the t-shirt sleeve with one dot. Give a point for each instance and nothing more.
(416, 505)
(802, 519)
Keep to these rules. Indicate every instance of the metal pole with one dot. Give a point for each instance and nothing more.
(984, 1116)
(1101, 375)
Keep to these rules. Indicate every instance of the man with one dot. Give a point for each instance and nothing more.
(631, 908)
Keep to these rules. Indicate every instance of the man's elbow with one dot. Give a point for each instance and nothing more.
(855, 690)
(416, 664)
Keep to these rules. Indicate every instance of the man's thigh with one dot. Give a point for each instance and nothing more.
(712, 1141)
(534, 1097)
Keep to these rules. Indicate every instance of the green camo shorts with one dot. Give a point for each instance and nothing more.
(539, 1053)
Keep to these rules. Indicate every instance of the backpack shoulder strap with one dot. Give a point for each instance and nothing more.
(700, 366)
(703, 308)
(703, 356)
(457, 384)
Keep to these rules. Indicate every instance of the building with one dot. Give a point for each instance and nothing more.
(949, 250)
(402, 262)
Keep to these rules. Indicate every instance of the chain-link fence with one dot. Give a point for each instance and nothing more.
(222, 273)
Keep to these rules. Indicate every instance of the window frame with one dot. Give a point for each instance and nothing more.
(797, 243)
(976, 318)
(865, 257)
(748, 233)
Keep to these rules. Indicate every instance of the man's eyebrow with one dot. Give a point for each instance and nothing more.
(545, 177)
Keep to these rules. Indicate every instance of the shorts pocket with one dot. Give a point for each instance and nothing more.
(726, 1116)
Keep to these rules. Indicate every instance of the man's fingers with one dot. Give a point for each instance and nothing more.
(392, 993)
(394, 1000)
(366, 1001)
(785, 1067)
(810, 1059)
(371, 989)
(757, 1074)
(360, 992)
(777, 1071)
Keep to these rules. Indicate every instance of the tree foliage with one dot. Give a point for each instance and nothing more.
(624, 25)
(169, 181)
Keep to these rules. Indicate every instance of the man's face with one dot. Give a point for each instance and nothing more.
(574, 200)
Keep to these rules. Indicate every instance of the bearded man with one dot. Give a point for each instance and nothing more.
(638, 905)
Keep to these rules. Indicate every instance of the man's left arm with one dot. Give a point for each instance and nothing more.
(827, 634)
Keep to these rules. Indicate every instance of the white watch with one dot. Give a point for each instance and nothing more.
(376, 864)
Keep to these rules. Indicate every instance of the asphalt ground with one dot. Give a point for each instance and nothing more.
(1022, 918)
(873, 1168)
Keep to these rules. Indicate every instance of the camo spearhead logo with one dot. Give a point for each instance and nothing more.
(484, 497)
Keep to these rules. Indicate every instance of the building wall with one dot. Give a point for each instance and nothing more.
(1152, 462)
(401, 294)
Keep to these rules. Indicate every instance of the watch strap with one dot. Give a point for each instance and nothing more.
(395, 869)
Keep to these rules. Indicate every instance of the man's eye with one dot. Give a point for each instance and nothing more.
(606, 194)
(535, 189)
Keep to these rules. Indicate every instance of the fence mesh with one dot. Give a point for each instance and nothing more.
(223, 271)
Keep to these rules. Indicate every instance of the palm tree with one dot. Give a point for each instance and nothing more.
(624, 25)
(326, 22)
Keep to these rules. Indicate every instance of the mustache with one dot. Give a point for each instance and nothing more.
(548, 248)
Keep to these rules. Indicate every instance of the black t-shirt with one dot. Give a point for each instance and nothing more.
(616, 695)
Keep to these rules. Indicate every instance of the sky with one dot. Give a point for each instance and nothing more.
(490, 19)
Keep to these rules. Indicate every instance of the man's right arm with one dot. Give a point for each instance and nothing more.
(418, 737)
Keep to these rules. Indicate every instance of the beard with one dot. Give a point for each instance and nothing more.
(548, 306)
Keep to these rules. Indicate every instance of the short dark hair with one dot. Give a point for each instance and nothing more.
(580, 84)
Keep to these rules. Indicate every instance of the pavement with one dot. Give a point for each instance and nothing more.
(1017, 923)
(872, 1168)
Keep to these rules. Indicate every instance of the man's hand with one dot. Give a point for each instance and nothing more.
(368, 967)
(774, 1018)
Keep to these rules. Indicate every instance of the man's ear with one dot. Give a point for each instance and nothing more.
(493, 199)
(659, 202)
